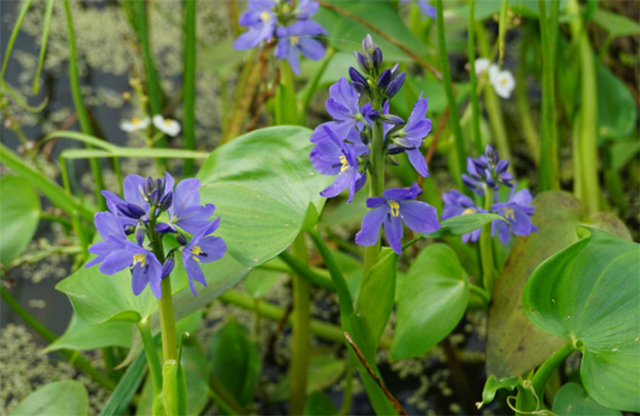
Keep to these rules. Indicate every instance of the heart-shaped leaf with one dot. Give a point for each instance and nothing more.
(67, 397)
(265, 191)
(83, 336)
(20, 208)
(571, 400)
(434, 297)
(589, 293)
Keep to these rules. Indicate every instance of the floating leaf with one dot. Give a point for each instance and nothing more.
(589, 293)
(265, 191)
(434, 298)
(67, 397)
(571, 400)
(617, 111)
(20, 208)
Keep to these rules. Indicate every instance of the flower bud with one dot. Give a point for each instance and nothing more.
(395, 85)
(181, 239)
(384, 79)
(362, 62)
(139, 235)
(392, 119)
(368, 45)
(377, 58)
(166, 201)
(167, 267)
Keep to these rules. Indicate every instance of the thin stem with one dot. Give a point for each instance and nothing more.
(524, 109)
(484, 295)
(155, 368)
(376, 184)
(83, 115)
(471, 52)
(189, 97)
(347, 397)
(301, 332)
(73, 356)
(486, 247)
(306, 272)
(454, 116)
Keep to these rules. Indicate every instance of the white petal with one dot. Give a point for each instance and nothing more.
(166, 125)
(503, 83)
(481, 65)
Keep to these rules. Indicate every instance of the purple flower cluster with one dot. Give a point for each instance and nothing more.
(289, 23)
(138, 213)
(344, 146)
(484, 173)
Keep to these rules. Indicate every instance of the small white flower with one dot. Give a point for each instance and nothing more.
(135, 124)
(482, 65)
(166, 125)
(503, 83)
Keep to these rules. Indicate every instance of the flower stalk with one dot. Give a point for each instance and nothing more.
(376, 185)
(486, 247)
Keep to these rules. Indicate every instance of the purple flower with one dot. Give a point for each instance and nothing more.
(333, 156)
(517, 211)
(391, 210)
(298, 39)
(306, 9)
(427, 9)
(343, 106)
(261, 22)
(202, 249)
(456, 203)
(116, 253)
(487, 170)
(411, 136)
(186, 211)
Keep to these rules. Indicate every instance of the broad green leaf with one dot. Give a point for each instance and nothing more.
(235, 361)
(589, 293)
(615, 24)
(491, 387)
(67, 398)
(462, 224)
(324, 372)
(571, 400)
(514, 345)
(346, 34)
(20, 211)
(377, 293)
(319, 404)
(617, 111)
(434, 298)
(263, 186)
(195, 367)
(81, 335)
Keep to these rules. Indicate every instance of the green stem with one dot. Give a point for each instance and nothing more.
(155, 368)
(524, 109)
(189, 97)
(548, 174)
(454, 117)
(81, 110)
(301, 332)
(539, 381)
(484, 295)
(471, 52)
(305, 271)
(585, 145)
(486, 247)
(347, 398)
(78, 360)
(376, 184)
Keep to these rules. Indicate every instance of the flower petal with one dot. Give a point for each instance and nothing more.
(419, 216)
(371, 222)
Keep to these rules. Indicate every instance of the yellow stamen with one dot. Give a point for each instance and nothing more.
(196, 250)
(196, 259)
(294, 40)
(167, 122)
(135, 121)
(345, 164)
(469, 211)
(395, 208)
(140, 258)
(265, 16)
(503, 81)
(508, 214)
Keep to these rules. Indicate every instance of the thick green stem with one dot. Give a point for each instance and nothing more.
(471, 52)
(486, 247)
(81, 110)
(539, 381)
(78, 360)
(189, 88)
(454, 117)
(548, 174)
(301, 332)
(155, 368)
(376, 184)
(585, 144)
(524, 109)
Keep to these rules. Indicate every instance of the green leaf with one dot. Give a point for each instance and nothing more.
(20, 208)
(126, 388)
(434, 298)
(487, 8)
(492, 386)
(589, 293)
(235, 361)
(319, 404)
(462, 224)
(67, 397)
(347, 34)
(81, 335)
(615, 24)
(259, 282)
(263, 185)
(572, 400)
(324, 372)
(617, 111)
(377, 293)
